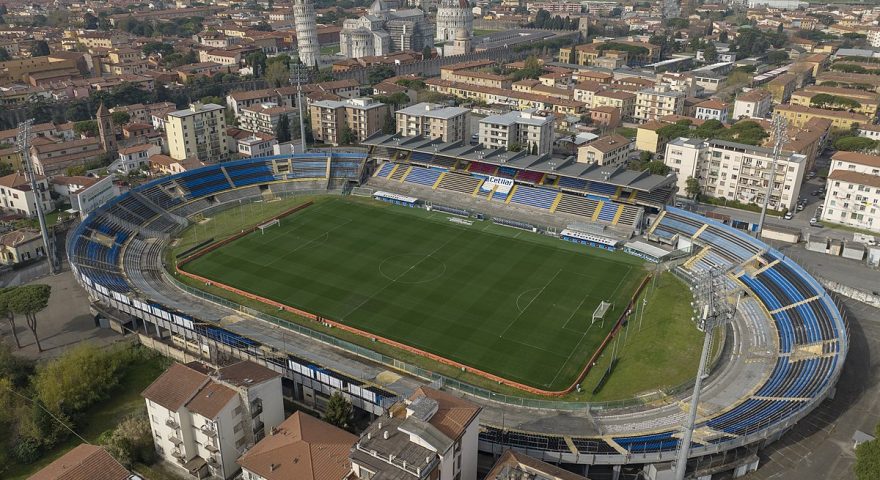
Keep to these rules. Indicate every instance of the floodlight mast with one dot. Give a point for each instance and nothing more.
(24, 135)
(713, 310)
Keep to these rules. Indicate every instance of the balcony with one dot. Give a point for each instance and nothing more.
(170, 422)
(256, 410)
(178, 454)
(208, 431)
(175, 440)
(258, 425)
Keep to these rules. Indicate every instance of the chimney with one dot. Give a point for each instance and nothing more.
(385, 435)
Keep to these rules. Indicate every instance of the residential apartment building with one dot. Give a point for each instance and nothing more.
(16, 195)
(134, 158)
(653, 103)
(524, 129)
(853, 191)
(301, 448)
(798, 116)
(712, 110)
(870, 131)
(607, 116)
(202, 418)
(448, 124)
(362, 116)
(608, 150)
(198, 131)
(624, 101)
(264, 118)
(432, 434)
(781, 87)
(737, 171)
(752, 104)
(587, 90)
(867, 101)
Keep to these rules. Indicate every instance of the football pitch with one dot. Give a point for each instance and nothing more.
(515, 304)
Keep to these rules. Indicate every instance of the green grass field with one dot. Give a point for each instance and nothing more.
(511, 303)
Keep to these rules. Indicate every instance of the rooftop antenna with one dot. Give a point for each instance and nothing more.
(24, 135)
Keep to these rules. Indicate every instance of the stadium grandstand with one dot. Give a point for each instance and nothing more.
(609, 195)
(117, 255)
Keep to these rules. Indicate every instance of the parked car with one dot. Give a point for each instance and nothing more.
(788, 216)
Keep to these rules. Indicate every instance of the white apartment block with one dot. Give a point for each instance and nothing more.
(712, 110)
(870, 131)
(134, 158)
(736, 171)
(652, 104)
(198, 131)
(853, 191)
(431, 120)
(16, 195)
(523, 128)
(363, 116)
(204, 418)
(264, 117)
(431, 435)
(753, 104)
(874, 37)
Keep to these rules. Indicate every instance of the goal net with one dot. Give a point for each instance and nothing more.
(268, 224)
(601, 310)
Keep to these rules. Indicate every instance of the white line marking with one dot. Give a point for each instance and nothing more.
(530, 302)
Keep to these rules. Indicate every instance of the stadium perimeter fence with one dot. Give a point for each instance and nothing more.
(432, 376)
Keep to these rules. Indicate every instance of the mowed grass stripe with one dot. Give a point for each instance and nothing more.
(515, 307)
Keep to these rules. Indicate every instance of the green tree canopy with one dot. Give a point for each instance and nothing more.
(282, 130)
(855, 144)
(338, 411)
(692, 188)
(29, 300)
(867, 465)
(120, 118)
(88, 127)
(40, 49)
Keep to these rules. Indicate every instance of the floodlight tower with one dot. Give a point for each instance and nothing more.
(713, 309)
(24, 136)
(779, 126)
(299, 73)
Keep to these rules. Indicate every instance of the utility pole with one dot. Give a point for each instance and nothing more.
(713, 310)
(300, 74)
(24, 136)
(779, 125)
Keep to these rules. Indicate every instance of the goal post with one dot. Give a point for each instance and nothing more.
(601, 310)
(268, 224)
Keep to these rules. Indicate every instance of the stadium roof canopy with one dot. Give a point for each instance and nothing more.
(568, 167)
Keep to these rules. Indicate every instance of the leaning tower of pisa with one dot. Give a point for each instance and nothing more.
(306, 32)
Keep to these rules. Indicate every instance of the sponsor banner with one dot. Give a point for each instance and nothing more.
(504, 184)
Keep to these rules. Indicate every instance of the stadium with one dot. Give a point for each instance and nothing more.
(508, 278)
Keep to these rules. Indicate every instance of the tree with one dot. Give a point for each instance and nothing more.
(282, 130)
(40, 49)
(90, 22)
(8, 313)
(378, 74)
(855, 144)
(4, 55)
(777, 57)
(867, 465)
(389, 126)
(338, 411)
(120, 118)
(710, 53)
(723, 37)
(692, 188)
(262, 27)
(30, 300)
(346, 135)
(277, 74)
(657, 167)
(645, 156)
(160, 48)
(75, 171)
(257, 62)
(131, 441)
(88, 127)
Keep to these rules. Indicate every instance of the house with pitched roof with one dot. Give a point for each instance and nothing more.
(86, 461)
(204, 417)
